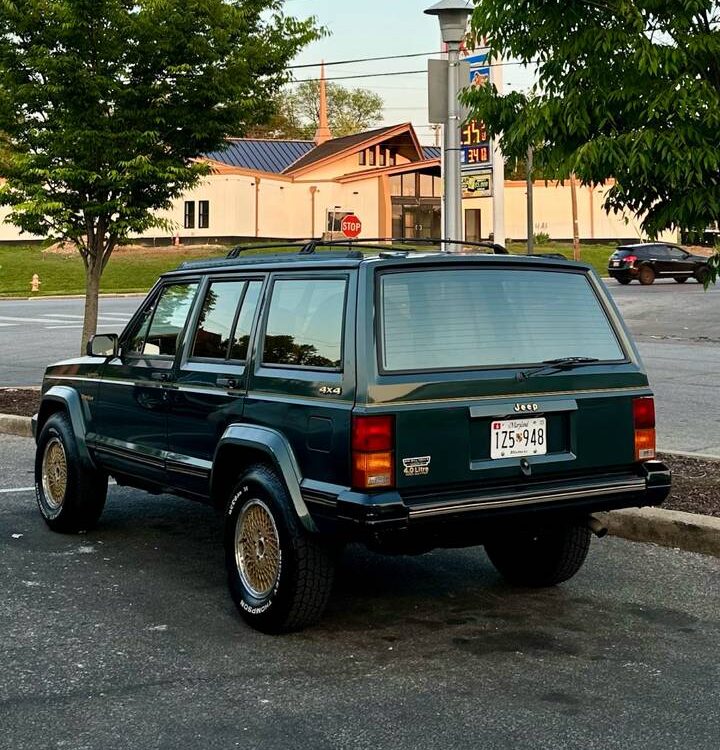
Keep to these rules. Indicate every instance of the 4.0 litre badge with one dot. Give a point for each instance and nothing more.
(417, 466)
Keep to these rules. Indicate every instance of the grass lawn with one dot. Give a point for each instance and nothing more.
(137, 270)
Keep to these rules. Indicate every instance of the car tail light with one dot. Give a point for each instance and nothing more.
(373, 440)
(644, 424)
(630, 259)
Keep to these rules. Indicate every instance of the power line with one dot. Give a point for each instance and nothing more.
(406, 72)
(362, 59)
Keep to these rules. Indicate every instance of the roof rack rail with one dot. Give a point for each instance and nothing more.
(309, 246)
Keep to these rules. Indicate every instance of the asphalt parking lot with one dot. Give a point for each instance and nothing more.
(127, 638)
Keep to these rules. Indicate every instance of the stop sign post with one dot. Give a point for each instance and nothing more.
(351, 226)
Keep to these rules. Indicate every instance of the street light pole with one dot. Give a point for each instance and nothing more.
(452, 15)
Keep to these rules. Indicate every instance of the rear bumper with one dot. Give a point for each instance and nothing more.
(628, 272)
(391, 511)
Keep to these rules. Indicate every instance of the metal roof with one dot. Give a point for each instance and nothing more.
(431, 152)
(263, 155)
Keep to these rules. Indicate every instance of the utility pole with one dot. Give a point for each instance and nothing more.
(576, 227)
(452, 15)
(530, 220)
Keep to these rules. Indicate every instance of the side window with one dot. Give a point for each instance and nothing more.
(212, 337)
(241, 337)
(305, 323)
(137, 336)
(169, 319)
(676, 254)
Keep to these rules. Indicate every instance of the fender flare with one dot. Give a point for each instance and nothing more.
(70, 399)
(276, 447)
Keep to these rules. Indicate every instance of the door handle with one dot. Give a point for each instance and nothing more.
(162, 376)
(229, 383)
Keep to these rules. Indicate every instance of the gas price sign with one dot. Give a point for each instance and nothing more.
(474, 142)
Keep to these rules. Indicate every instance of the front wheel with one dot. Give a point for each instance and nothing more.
(70, 495)
(280, 577)
(542, 557)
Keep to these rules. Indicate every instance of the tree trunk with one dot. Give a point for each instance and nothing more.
(576, 228)
(93, 272)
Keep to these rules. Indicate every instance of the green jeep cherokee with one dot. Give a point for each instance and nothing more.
(400, 399)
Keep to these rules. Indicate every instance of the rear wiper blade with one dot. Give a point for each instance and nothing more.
(562, 363)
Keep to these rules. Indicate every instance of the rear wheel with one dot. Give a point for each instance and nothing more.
(543, 557)
(71, 496)
(646, 275)
(280, 577)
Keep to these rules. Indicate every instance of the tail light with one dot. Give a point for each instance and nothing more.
(373, 439)
(644, 424)
(630, 259)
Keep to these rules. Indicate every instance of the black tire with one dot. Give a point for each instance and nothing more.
(702, 274)
(680, 279)
(73, 503)
(646, 275)
(544, 557)
(624, 280)
(295, 568)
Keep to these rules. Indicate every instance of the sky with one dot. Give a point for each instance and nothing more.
(374, 28)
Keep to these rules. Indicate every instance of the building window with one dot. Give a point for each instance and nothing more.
(396, 185)
(203, 214)
(334, 219)
(426, 186)
(409, 189)
(189, 214)
(371, 157)
(361, 158)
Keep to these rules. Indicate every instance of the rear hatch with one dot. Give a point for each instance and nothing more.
(500, 372)
(623, 257)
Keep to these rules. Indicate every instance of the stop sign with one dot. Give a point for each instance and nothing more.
(351, 226)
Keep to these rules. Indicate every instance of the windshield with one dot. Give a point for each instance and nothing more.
(475, 318)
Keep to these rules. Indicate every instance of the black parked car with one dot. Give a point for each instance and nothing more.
(649, 260)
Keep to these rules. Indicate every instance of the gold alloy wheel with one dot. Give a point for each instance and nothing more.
(54, 473)
(257, 548)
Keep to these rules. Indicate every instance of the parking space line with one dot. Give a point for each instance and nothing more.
(17, 489)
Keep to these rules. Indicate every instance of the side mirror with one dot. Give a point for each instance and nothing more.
(103, 345)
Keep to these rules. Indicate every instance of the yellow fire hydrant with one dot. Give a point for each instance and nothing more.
(35, 283)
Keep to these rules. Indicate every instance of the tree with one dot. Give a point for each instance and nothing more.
(628, 90)
(105, 105)
(297, 111)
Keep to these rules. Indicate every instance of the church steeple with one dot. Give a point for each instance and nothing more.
(323, 133)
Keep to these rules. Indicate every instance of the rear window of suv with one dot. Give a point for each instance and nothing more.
(475, 318)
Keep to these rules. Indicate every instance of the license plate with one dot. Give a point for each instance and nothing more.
(518, 437)
(616, 263)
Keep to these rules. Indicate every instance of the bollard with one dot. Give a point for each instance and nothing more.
(176, 239)
(35, 283)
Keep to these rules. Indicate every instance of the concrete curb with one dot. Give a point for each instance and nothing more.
(11, 424)
(668, 528)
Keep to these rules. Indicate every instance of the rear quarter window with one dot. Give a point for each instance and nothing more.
(477, 318)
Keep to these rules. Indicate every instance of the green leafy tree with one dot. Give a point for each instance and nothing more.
(297, 111)
(105, 105)
(627, 90)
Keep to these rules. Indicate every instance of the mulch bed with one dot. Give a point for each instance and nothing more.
(696, 482)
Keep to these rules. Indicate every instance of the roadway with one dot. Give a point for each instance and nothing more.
(126, 638)
(675, 327)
